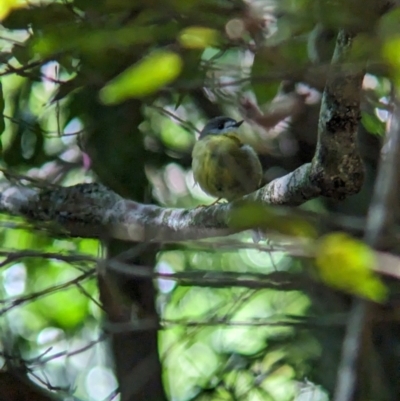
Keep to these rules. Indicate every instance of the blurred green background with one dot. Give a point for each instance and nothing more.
(116, 91)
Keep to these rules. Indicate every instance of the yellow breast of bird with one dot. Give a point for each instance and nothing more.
(224, 167)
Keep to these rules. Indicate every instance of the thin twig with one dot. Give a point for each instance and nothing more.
(39, 294)
(184, 123)
(12, 256)
(40, 361)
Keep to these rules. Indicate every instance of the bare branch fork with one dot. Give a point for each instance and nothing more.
(90, 210)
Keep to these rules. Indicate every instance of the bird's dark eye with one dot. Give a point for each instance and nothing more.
(221, 126)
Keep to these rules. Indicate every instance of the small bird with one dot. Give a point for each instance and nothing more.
(223, 165)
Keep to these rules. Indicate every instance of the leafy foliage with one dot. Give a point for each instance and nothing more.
(348, 264)
(115, 91)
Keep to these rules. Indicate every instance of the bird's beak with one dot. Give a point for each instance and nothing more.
(239, 123)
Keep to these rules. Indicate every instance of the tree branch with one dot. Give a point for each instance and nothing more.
(91, 210)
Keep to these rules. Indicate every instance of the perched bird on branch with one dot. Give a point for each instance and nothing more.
(222, 164)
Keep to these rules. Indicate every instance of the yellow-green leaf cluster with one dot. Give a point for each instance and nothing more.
(391, 53)
(144, 78)
(198, 37)
(347, 264)
(6, 6)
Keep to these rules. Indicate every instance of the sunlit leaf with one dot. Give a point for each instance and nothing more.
(198, 37)
(6, 6)
(67, 308)
(144, 78)
(34, 16)
(391, 53)
(175, 136)
(372, 123)
(347, 264)
(95, 41)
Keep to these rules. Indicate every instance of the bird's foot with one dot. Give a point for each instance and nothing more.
(212, 204)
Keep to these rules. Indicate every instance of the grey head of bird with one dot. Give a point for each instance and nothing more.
(220, 125)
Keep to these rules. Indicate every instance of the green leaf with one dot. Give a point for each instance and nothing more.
(181, 98)
(265, 92)
(6, 6)
(372, 123)
(174, 136)
(347, 264)
(198, 37)
(391, 54)
(37, 17)
(67, 308)
(144, 78)
(389, 24)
